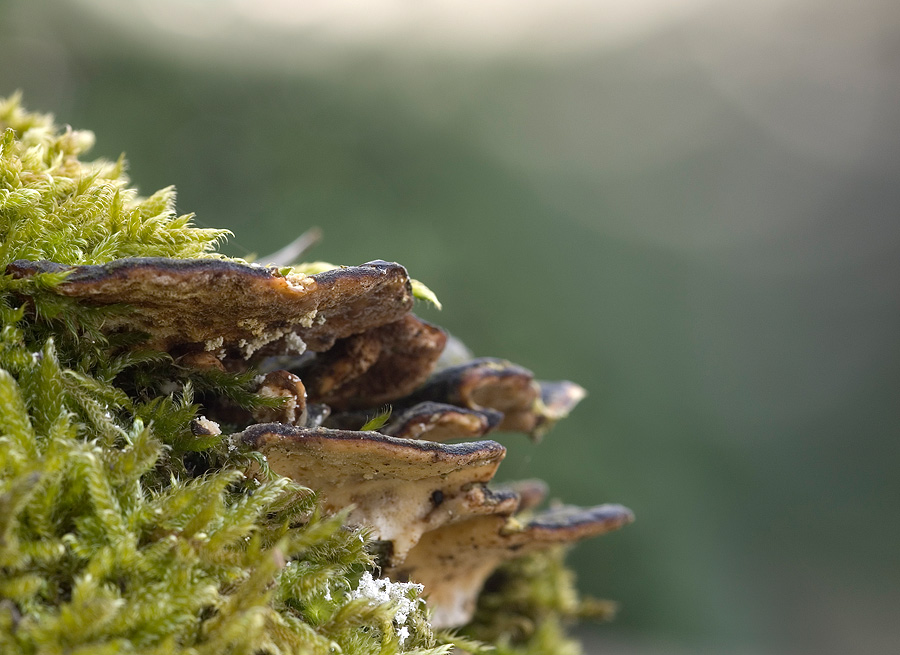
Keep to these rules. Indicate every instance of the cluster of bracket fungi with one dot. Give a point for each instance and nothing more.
(337, 346)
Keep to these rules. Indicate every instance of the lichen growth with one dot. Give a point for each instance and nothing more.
(123, 531)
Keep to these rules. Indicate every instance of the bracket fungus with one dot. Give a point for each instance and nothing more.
(376, 366)
(427, 501)
(445, 527)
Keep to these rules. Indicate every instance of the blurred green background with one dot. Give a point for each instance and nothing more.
(691, 208)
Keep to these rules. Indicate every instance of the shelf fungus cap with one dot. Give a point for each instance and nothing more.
(377, 366)
(401, 488)
(488, 383)
(216, 304)
(453, 562)
(442, 422)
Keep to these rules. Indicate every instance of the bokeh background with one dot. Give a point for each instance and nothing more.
(688, 206)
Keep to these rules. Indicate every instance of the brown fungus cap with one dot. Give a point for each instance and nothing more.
(488, 383)
(376, 366)
(212, 304)
(401, 488)
(454, 561)
(442, 422)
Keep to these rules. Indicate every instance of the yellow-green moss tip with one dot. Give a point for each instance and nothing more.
(422, 292)
(55, 206)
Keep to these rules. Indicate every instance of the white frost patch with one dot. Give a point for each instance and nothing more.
(213, 344)
(307, 319)
(300, 281)
(250, 346)
(211, 427)
(293, 344)
(379, 592)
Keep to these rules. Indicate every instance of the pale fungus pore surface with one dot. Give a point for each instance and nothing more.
(401, 488)
(454, 561)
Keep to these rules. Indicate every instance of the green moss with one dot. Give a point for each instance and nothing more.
(54, 206)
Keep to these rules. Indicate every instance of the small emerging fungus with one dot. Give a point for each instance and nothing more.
(289, 388)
